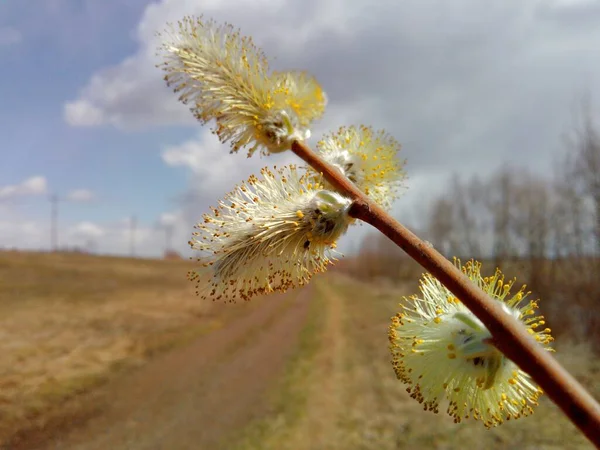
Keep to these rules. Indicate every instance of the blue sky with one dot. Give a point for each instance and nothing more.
(50, 61)
(465, 87)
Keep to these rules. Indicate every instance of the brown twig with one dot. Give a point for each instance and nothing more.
(509, 335)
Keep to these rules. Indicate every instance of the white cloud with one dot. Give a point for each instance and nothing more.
(149, 240)
(465, 86)
(130, 95)
(133, 94)
(168, 219)
(445, 84)
(17, 231)
(9, 36)
(80, 195)
(206, 157)
(214, 170)
(86, 230)
(83, 113)
(32, 186)
(570, 4)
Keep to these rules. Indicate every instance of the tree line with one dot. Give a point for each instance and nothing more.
(544, 230)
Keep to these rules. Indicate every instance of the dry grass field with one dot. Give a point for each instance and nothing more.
(341, 393)
(70, 321)
(308, 370)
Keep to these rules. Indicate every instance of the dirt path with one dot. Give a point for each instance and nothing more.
(196, 396)
(318, 429)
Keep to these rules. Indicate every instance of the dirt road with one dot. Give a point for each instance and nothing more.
(193, 397)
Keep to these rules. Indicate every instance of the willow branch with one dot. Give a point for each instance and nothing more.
(508, 334)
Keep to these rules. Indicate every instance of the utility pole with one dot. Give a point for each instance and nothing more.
(132, 230)
(90, 245)
(54, 222)
(168, 237)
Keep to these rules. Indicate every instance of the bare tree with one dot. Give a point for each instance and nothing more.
(586, 166)
(531, 216)
(466, 210)
(569, 217)
(500, 194)
(441, 225)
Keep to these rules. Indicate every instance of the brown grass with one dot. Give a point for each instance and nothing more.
(349, 389)
(67, 321)
(568, 288)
